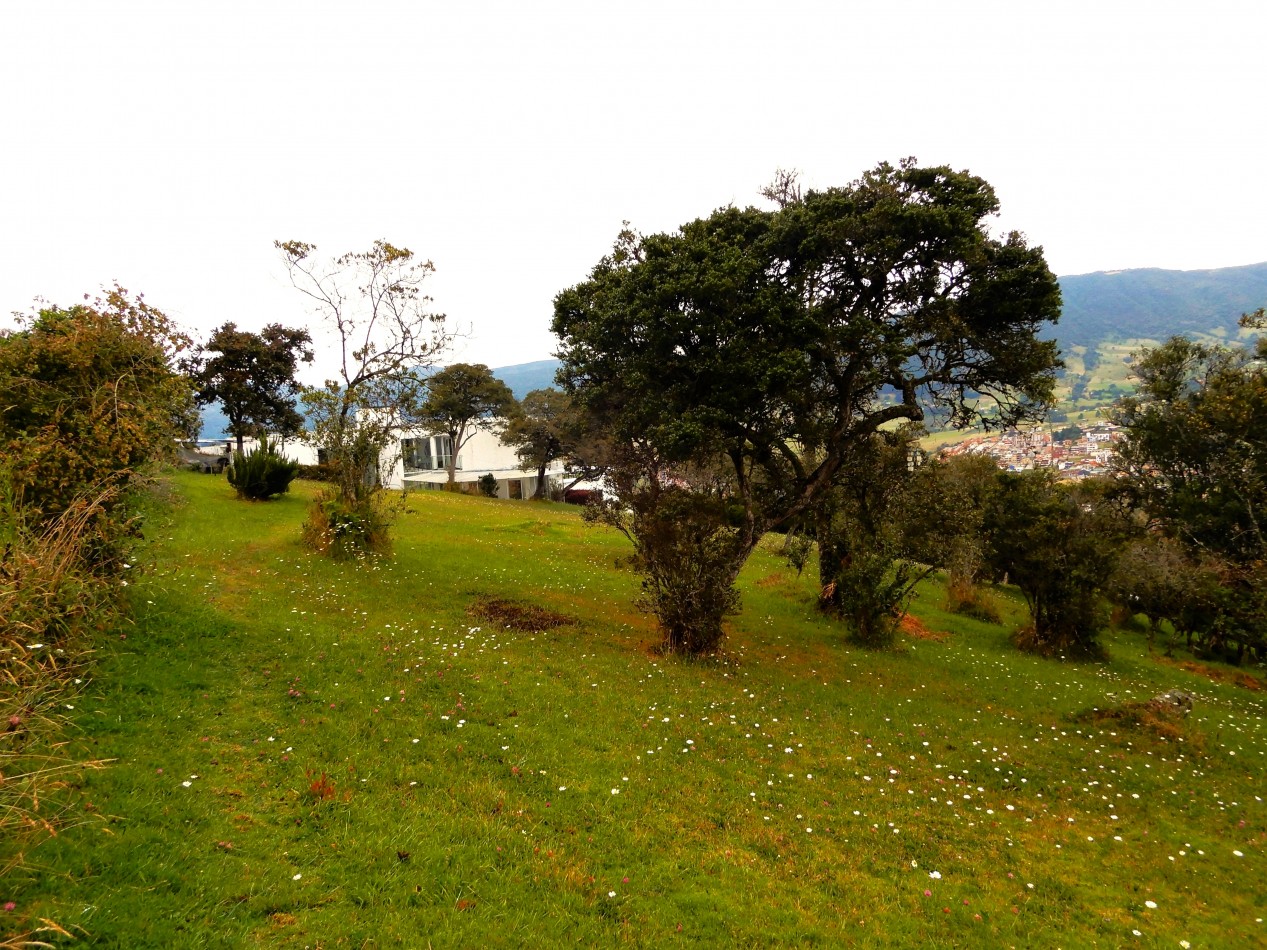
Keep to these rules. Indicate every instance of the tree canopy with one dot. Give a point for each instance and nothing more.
(89, 395)
(1195, 460)
(776, 341)
(461, 400)
(541, 429)
(385, 334)
(1196, 449)
(252, 376)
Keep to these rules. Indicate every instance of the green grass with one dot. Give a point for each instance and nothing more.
(497, 787)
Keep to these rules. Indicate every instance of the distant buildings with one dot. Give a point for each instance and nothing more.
(1091, 453)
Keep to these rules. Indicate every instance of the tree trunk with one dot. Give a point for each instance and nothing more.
(833, 554)
(541, 484)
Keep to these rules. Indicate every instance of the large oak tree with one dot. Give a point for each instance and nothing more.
(768, 344)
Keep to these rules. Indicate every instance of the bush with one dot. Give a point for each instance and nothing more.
(262, 473)
(345, 531)
(488, 485)
(971, 601)
(688, 556)
(869, 590)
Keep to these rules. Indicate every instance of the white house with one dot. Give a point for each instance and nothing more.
(418, 460)
(422, 462)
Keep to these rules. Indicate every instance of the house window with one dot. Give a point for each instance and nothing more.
(416, 455)
(516, 488)
(443, 450)
(430, 453)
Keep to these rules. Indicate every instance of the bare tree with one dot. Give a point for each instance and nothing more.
(386, 333)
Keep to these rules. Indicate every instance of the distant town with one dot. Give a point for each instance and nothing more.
(1075, 451)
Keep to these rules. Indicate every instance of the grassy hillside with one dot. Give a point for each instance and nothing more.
(408, 753)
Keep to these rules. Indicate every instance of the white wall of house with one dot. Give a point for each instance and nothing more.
(295, 448)
(422, 460)
(419, 460)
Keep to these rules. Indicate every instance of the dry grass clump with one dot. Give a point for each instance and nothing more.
(49, 593)
(517, 615)
(1160, 720)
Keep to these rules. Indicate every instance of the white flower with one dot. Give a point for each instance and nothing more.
(296, 877)
(611, 893)
(1151, 905)
(615, 791)
(935, 875)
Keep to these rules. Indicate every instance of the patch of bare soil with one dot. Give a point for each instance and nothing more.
(1236, 677)
(912, 627)
(517, 615)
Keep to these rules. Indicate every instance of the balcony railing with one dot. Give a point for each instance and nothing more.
(428, 463)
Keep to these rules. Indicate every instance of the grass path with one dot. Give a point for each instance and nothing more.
(314, 754)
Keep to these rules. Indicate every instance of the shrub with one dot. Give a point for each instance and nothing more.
(344, 530)
(262, 473)
(688, 556)
(488, 485)
(969, 600)
(88, 398)
(869, 590)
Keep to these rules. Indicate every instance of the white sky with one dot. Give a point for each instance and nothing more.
(167, 145)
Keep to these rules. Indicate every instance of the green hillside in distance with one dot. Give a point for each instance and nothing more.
(1155, 304)
(523, 378)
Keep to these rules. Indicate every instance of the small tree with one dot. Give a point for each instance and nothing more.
(872, 545)
(961, 486)
(461, 400)
(686, 545)
(540, 429)
(1158, 577)
(385, 334)
(252, 376)
(1059, 544)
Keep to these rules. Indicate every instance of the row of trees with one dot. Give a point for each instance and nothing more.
(1195, 466)
(767, 369)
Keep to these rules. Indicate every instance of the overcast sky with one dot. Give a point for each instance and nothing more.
(166, 145)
